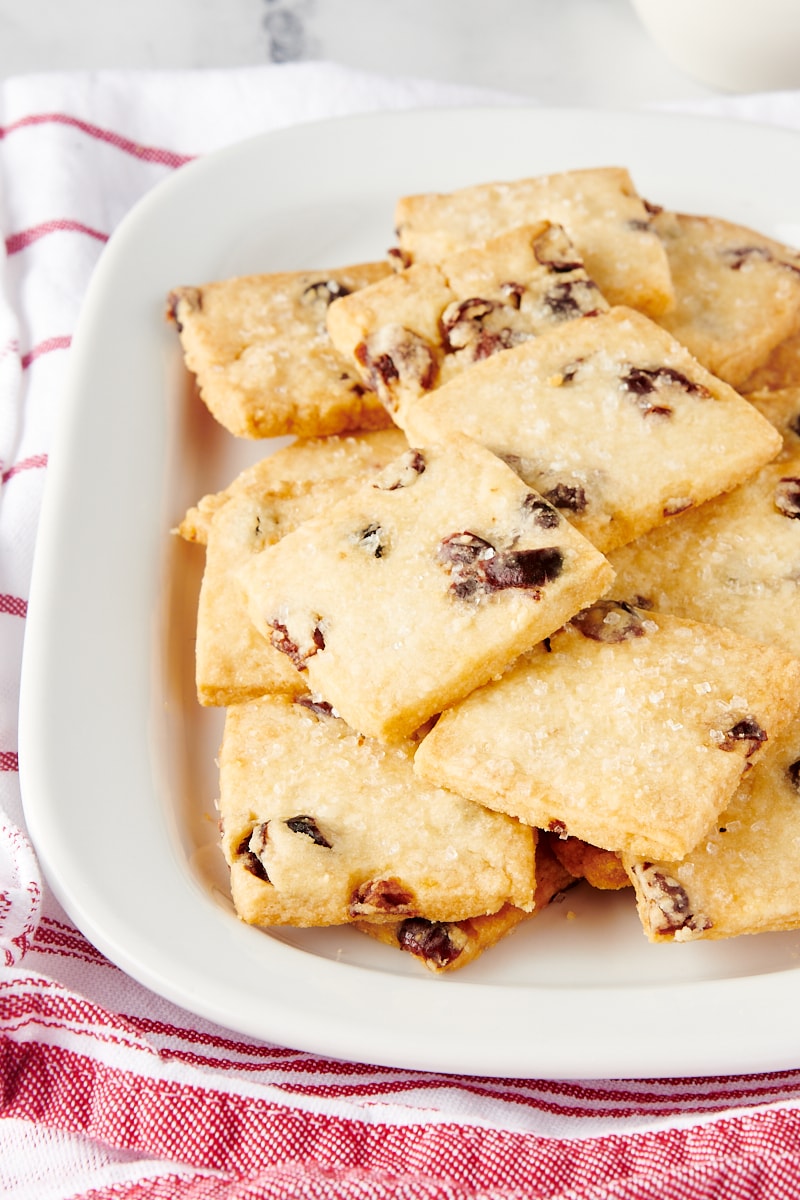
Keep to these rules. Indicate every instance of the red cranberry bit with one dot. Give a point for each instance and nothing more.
(512, 293)
(388, 896)
(429, 940)
(401, 473)
(554, 250)
(737, 256)
(787, 496)
(475, 565)
(320, 708)
(672, 899)
(477, 325)
(543, 514)
(281, 640)
(250, 860)
(571, 497)
(609, 621)
(397, 355)
(558, 827)
(373, 539)
(400, 259)
(190, 296)
(573, 298)
(642, 382)
(324, 292)
(746, 734)
(309, 827)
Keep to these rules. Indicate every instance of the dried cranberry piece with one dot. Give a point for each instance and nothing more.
(609, 621)
(430, 940)
(324, 292)
(252, 863)
(281, 640)
(787, 496)
(396, 354)
(554, 250)
(524, 568)
(573, 298)
(308, 826)
(512, 293)
(475, 565)
(569, 496)
(373, 538)
(465, 326)
(320, 707)
(388, 896)
(401, 473)
(544, 514)
(250, 860)
(558, 828)
(671, 899)
(644, 381)
(737, 256)
(746, 733)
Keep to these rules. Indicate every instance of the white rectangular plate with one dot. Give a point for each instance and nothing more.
(117, 758)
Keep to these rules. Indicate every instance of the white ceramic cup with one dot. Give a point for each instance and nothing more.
(735, 45)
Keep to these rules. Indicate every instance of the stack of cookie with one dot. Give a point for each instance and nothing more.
(519, 604)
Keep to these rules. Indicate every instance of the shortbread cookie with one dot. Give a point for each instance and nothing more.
(233, 661)
(781, 370)
(611, 419)
(447, 945)
(421, 585)
(322, 826)
(734, 561)
(744, 876)
(782, 409)
(628, 730)
(260, 351)
(602, 869)
(304, 462)
(415, 330)
(599, 208)
(737, 292)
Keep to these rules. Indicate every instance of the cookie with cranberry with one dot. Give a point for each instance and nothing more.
(600, 209)
(744, 875)
(447, 945)
(415, 330)
(611, 419)
(321, 826)
(734, 561)
(628, 730)
(233, 661)
(421, 584)
(264, 364)
(737, 292)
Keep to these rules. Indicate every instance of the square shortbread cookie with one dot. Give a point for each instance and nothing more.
(415, 330)
(737, 292)
(448, 945)
(259, 348)
(599, 208)
(321, 826)
(744, 875)
(734, 561)
(610, 418)
(233, 661)
(627, 730)
(420, 585)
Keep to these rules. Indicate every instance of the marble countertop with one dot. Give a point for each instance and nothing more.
(559, 52)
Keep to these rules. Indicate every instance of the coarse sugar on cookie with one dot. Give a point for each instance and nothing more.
(737, 292)
(413, 331)
(448, 945)
(321, 826)
(600, 209)
(610, 418)
(626, 729)
(420, 585)
(259, 349)
(744, 874)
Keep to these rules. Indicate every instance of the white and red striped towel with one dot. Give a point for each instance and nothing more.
(106, 1090)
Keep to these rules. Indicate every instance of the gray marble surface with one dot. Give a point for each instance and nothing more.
(562, 52)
